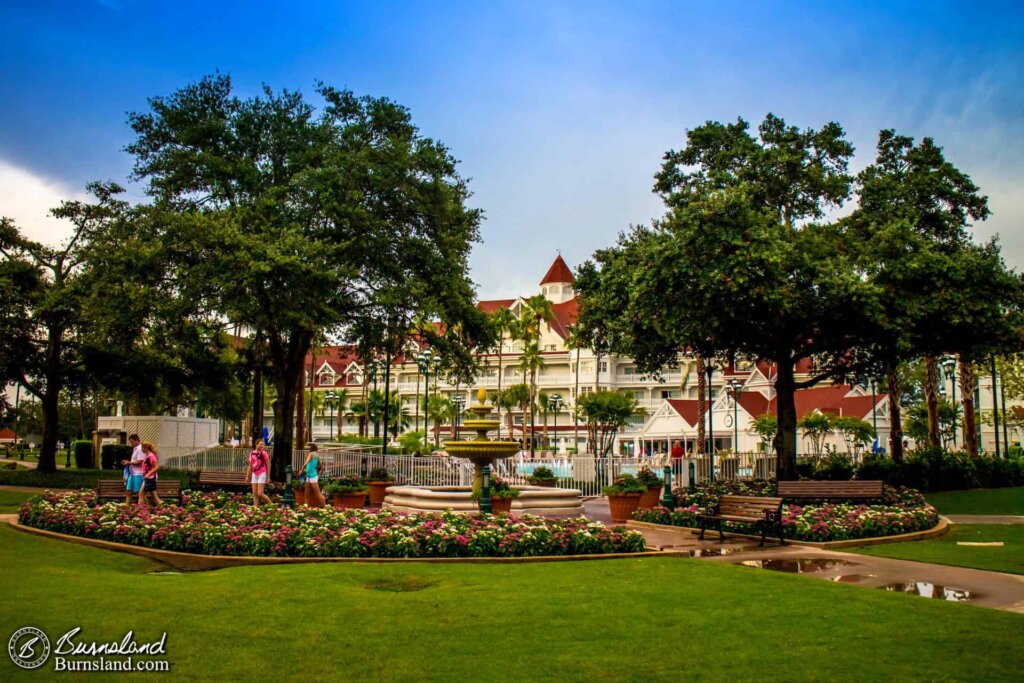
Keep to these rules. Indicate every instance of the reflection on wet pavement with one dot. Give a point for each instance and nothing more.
(716, 552)
(800, 566)
(930, 590)
(851, 578)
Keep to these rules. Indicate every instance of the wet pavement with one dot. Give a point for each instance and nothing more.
(986, 519)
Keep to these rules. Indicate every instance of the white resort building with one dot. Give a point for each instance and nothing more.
(669, 405)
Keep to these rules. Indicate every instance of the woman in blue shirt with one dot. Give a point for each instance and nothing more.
(311, 470)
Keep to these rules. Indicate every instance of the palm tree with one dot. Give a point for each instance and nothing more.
(517, 395)
(439, 410)
(575, 341)
(504, 322)
(538, 311)
(545, 410)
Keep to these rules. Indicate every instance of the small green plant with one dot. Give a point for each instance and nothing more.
(348, 483)
(297, 483)
(380, 474)
(542, 475)
(500, 488)
(624, 484)
(647, 477)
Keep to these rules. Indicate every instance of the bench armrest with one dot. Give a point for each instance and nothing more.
(773, 515)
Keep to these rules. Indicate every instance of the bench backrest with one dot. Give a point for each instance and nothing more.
(222, 477)
(830, 489)
(747, 506)
(114, 488)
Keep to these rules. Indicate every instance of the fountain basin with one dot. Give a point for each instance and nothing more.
(535, 500)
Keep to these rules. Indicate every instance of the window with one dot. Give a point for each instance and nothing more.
(550, 347)
(673, 393)
(586, 390)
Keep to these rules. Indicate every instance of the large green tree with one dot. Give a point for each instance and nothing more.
(742, 263)
(294, 222)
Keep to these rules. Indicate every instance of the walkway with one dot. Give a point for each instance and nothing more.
(986, 519)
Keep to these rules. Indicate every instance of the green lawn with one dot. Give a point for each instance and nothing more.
(10, 501)
(630, 620)
(1008, 501)
(944, 550)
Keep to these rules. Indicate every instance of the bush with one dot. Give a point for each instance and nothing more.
(541, 475)
(380, 474)
(111, 455)
(836, 467)
(83, 454)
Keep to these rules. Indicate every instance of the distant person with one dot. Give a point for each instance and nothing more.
(259, 470)
(677, 454)
(150, 465)
(133, 470)
(311, 469)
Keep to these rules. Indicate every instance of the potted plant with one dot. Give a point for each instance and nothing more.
(379, 480)
(624, 496)
(653, 482)
(347, 491)
(299, 490)
(542, 476)
(501, 496)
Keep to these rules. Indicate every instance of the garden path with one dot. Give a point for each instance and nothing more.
(986, 519)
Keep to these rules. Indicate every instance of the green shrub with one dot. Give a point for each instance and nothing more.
(836, 467)
(541, 475)
(111, 455)
(83, 454)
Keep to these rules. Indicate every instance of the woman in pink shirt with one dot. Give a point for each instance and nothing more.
(259, 469)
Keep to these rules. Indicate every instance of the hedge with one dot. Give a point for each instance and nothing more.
(83, 454)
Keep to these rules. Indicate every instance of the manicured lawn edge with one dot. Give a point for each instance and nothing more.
(938, 530)
(196, 562)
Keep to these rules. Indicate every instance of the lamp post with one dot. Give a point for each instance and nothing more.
(331, 399)
(555, 404)
(995, 402)
(419, 371)
(710, 369)
(949, 365)
(874, 411)
(374, 368)
(423, 362)
(735, 387)
(460, 401)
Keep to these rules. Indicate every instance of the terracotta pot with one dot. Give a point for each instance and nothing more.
(343, 501)
(378, 489)
(623, 506)
(651, 497)
(501, 505)
(300, 496)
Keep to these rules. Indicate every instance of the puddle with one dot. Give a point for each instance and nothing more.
(715, 552)
(930, 590)
(406, 584)
(801, 566)
(851, 578)
(173, 573)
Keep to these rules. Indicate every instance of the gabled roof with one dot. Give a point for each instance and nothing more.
(492, 305)
(686, 408)
(837, 399)
(565, 316)
(558, 273)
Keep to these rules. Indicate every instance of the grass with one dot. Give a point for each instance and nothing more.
(1008, 501)
(637, 619)
(944, 550)
(74, 478)
(10, 501)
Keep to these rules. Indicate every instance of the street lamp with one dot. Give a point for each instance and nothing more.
(374, 368)
(874, 413)
(460, 401)
(332, 400)
(555, 404)
(710, 369)
(735, 387)
(949, 365)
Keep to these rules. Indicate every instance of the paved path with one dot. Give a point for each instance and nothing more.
(27, 464)
(986, 519)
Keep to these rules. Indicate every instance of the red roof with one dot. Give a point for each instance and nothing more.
(686, 407)
(492, 305)
(558, 272)
(832, 400)
(565, 316)
(7, 435)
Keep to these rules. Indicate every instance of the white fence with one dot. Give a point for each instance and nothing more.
(583, 472)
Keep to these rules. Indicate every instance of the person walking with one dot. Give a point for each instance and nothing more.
(311, 470)
(133, 470)
(150, 465)
(259, 470)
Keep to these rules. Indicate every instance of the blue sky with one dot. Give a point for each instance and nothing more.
(559, 112)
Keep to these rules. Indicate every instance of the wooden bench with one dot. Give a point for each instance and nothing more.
(107, 489)
(825, 490)
(761, 511)
(223, 480)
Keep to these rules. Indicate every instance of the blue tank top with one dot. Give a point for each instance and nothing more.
(311, 467)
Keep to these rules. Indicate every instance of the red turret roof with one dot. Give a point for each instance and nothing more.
(558, 272)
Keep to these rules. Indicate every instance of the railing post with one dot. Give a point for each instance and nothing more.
(693, 477)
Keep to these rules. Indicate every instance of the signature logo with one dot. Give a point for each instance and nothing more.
(29, 648)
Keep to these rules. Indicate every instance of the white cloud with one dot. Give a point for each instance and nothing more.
(27, 198)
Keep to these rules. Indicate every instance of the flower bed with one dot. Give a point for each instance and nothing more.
(902, 511)
(223, 524)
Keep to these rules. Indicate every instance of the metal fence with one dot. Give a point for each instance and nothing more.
(587, 473)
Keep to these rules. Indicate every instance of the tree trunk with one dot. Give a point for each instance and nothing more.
(968, 385)
(288, 358)
(785, 437)
(931, 392)
(387, 401)
(308, 416)
(533, 408)
(300, 411)
(51, 418)
(895, 419)
(702, 406)
(497, 403)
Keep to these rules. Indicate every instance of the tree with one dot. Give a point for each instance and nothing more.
(503, 323)
(296, 224)
(439, 410)
(42, 307)
(605, 413)
(537, 312)
(816, 427)
(744, 226)
(765, 426)
(854, 431)
(918, 427)
(515, 396)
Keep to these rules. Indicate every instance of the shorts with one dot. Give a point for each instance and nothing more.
(259, 478)
(312, 480)
(150, 485)
(134, 483)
